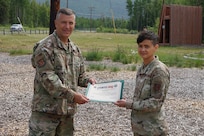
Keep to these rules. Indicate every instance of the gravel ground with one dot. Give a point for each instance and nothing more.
(184, 106)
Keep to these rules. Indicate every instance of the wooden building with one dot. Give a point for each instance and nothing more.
(180, 25)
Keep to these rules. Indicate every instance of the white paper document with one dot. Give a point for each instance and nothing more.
(106, 91)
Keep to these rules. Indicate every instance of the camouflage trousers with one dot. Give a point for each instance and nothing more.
(148, 124)
(145, 128)
(43, 124)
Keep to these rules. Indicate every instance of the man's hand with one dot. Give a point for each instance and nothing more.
(92, 81)
(80, 99)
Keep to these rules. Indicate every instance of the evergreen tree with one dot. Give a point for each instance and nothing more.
(4, 13)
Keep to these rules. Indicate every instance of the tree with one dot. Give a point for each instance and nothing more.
(44, 14)
(32, 14)
(129, 8)
(17, 9)
(4, 13)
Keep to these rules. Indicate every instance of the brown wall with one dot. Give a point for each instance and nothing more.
(183, 25)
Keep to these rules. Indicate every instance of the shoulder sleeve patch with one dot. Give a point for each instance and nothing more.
(157, 87)
(41, 62)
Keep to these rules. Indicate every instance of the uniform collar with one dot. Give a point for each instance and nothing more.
(60, 44)
(145, 68)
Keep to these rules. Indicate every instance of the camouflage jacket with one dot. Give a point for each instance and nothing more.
(59, 70)
(152, 83)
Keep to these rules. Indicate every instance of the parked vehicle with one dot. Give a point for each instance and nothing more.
(16, 27)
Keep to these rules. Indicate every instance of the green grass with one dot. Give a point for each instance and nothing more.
(18, 42)
(97, 46)
(174, 56)
(97, 67)
(94, 55)
(103, 41)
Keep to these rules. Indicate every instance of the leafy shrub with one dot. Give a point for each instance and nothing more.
(124, 56)
(94, 55)
(97, 67)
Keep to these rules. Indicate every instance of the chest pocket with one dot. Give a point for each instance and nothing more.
(75, 62)
(143, 86)
(61, 61)
(67, 66)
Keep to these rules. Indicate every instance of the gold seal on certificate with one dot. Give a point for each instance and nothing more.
(106, 91)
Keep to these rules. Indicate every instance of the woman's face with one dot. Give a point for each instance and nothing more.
(146, 50)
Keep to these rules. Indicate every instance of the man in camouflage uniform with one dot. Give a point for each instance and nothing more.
(152, 83)
(59, 70)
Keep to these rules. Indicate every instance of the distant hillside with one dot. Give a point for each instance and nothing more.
(96, 8)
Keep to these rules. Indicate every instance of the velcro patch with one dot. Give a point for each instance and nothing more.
(157, 87)
(41, 63)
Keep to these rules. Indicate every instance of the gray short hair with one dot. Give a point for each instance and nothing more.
(65, 11)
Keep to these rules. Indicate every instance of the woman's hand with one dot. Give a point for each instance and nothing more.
(120, 103)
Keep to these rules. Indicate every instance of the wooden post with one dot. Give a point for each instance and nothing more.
(54, 7)
(67, 3)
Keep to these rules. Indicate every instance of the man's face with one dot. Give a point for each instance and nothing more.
(65, 25)
(146, 50)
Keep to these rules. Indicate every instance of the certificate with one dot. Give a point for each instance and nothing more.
(106, 91)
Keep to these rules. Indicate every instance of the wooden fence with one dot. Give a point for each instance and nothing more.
(26, 31)
(39, 31)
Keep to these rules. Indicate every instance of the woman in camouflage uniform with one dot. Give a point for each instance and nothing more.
(152, 83)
